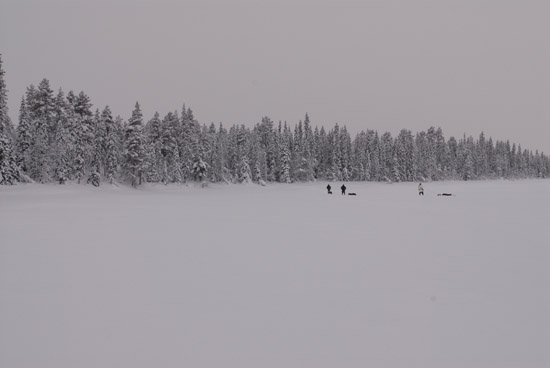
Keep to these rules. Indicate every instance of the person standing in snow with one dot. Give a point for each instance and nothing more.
(343, 187)
(420, 189)
(329, 188)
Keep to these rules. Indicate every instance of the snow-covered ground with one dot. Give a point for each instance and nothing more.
(278, 276)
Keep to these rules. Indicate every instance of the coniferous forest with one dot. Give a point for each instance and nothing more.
(61, 137)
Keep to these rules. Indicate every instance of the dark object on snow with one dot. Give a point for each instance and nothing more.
(445, 194)
(352, 194)
(329, 188)
(343, 187)
(420, 189)
(94, 179)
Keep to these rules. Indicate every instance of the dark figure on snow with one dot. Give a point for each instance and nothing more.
(343, 187)
(420, 189)
(445, 194)
(329, 188)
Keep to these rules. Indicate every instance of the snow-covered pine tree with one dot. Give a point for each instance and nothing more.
(133, 154)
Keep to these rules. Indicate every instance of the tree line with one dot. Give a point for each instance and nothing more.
(60, 138)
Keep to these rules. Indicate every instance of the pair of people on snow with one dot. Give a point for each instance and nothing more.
(343, 187)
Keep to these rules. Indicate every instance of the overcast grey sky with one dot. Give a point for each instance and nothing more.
(463, 65)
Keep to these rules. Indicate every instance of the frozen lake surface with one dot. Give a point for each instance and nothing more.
(278, 276)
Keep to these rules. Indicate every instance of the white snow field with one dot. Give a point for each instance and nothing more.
(279, 276)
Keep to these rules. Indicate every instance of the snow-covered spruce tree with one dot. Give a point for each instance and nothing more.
(303, 161)
(316, 153)
(359, 157)
(285, 152)
(153, 148)
(220, 158)
(406, 151)
(372, 167)
(199, 169)
(308, 148)
(397, 172)
(432, 170)
(452, 145)
(243, 166)
(209, 136)
(79, 132)
(421, 158)
(266, 139)
(200, 150)
(100, 144)
(112, 144)
(61, 148)
(83, 135)
(189, 142)
(6, 128)
(386, 157)
(335, 144)
(133, 154)
(481, 161)
(171, 166)
(9, 170)
(298, 163)
(442, 154)
(324, 155)
(24, 137)
(375, 158)
(40, 103)
(97, 137)
(345, 153)
(468, 173)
